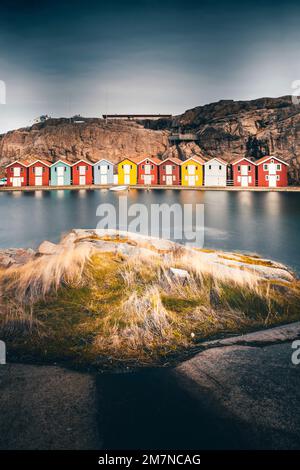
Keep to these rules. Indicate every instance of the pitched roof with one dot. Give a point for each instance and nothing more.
(218, 159)
(44, 162)
(21, 162)
(63, 160)
(267, 157)
(239, 159)
(102, 160)
(194, 158)
(81, 160)
(172, 159)
(152, 159)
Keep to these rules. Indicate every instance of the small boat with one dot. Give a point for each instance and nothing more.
(118, 188)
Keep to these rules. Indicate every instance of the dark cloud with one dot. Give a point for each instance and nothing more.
(165, 56)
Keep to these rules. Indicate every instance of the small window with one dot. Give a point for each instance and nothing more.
(220, 168)
(143, 167)
(152, 167)
(55, 169)
(65, 168)
(209, 167)
(131, 167)
(272, 161)
(279, 167)
(108, 167)
(186, 167)
(122, 166)
(78, 168)
(277, 177)
(249, 167)
(267, 177)
(196, 168)
(164, 167)
(173, 167)
(239, 168)
(265, 167)
(22, 170)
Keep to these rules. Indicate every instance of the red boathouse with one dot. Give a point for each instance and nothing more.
(243, 172)
(82, 173)
(39, 173)
(169, 172)
(147, 171)
(272, 172)
(17, 173)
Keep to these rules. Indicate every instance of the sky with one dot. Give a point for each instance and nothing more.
(92, 57)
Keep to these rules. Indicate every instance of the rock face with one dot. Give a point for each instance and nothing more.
(228, 129)
(93, 139)
(232, 129)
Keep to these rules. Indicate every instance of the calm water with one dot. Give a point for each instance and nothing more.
(265, 223)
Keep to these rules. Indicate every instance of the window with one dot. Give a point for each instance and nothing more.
(272, 161)
(186, 167)
(196, 168)
(98, 167)
(108, 167)
(267, 177)
(143, 167)
(249, 168)
(239, 168)
(220, 168)
(278, 167)
(164, 167)
(265, 167)
(173, 167)
(55, 169)
(209, 167)
(22, 170)
(277, 177)
(152, 167)
(65, 168)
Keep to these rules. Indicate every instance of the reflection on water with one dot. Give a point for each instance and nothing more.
(261, 222)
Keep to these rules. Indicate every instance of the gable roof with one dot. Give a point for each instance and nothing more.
(81, 160)
(239, 159)
(152, 159)
(62, 160)
(172, 159)
(195, 159)
(134, 160)
(267, 157)
(218, 159)
(102, 160)
(21, 162)
(44, 162)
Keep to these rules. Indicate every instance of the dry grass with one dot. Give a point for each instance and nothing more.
(96, 308)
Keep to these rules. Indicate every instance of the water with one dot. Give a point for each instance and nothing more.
(267, 223)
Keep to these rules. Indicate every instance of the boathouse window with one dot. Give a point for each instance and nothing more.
(277, 177)
(239, 168)
(152, 167)
(186, 167)
(267, 177)
(279, 167)
(249, 168)
(143, 167)
(164, 167)
(265, 167)
(220, 168)
(108, 167)
(173, 167)
(209, 167)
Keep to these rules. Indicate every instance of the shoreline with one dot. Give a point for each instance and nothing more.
(149, 188)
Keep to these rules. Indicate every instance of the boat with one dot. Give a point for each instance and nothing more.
(118, 188)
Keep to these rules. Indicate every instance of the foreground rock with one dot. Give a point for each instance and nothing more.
(44, 407)
(229, 397)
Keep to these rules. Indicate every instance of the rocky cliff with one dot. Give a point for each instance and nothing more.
(227, 128)
(92, 139)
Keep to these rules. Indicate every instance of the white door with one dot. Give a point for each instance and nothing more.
(272, 169)
(82, 170)
(147, 179)
(127, 179)
(191, 180)
(38, 180)
(169, 180)
(16, 181)
(168, 169)
(244, 181)
(191, 169)
(81, 179)
(60, 175)
(126, 169)
(272, 181)
(103, 179)
(147, 169)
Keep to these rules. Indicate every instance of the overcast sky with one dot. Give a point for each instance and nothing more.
(91, 57)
